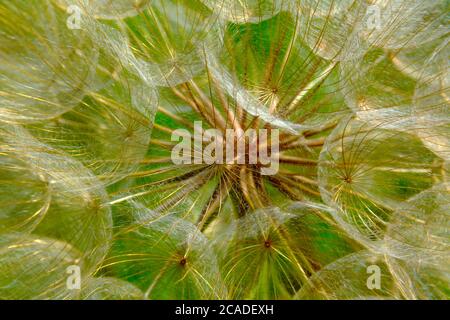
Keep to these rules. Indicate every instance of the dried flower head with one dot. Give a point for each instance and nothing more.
(311, 142)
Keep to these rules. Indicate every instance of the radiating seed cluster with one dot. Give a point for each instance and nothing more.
(92, 205)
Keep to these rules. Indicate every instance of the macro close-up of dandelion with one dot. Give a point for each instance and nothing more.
(224, 149)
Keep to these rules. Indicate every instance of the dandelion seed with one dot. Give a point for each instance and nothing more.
(345, 102)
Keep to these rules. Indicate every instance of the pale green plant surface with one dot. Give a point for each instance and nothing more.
(361, 99)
